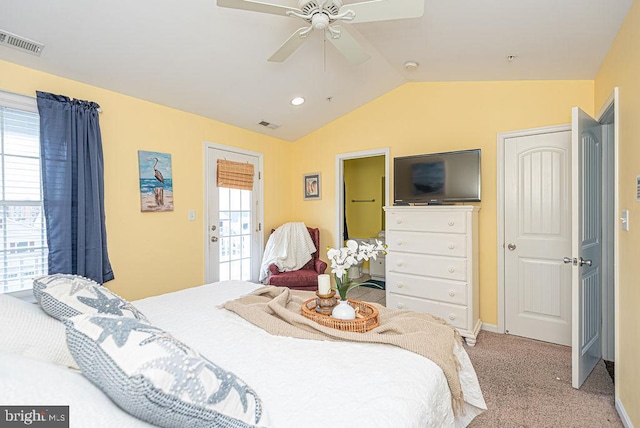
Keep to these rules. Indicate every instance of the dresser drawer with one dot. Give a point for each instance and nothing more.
(453, 314)
(441, 244)
(427, 288)
(446, 221)
(427, 265)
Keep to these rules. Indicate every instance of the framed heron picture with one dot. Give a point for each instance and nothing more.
(156, 184)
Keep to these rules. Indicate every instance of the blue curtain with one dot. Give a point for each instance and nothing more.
(73, 186)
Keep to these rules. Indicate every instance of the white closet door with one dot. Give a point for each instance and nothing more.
(538, 236)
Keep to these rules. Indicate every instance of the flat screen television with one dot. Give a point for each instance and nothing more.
(437, 178)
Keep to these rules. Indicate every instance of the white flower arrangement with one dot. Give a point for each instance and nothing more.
(344, 258)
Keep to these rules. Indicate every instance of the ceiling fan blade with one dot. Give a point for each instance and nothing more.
(348, 46)
(290, 46)
(256, 6)
(384, 10)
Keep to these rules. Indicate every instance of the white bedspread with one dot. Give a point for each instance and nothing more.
(28, 382)
(289, 247)
(315, 383)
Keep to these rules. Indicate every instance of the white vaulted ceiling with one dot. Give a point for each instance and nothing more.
(212, 61)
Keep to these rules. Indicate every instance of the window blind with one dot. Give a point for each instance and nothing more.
(235, 175)
(23, 244)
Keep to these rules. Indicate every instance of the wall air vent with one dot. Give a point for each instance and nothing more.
(268, 124)
(14, 41)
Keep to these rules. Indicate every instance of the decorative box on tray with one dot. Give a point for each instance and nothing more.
(367, 317)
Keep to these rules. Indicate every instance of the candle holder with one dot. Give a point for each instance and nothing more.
(325, 302)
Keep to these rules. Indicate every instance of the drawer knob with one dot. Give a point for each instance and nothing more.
(452, 245)
(452, 316)
(400, 285)
(399, 242)
(451, 222)
(399, 221)
(452, 293)
(451, 269)
(399, 263)
(399, 306)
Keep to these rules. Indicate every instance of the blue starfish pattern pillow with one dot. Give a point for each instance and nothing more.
(157, 378)
(66, 296)
(45, 281)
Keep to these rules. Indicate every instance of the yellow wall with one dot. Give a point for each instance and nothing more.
(363, 181)
(153, 253)
(436, 117)
(621, 68)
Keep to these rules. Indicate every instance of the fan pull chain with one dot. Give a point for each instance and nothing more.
(324, 54)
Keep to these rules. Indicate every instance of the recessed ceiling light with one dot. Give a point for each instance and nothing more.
(297, 101)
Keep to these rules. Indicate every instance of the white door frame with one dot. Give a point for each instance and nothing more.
(609, 114)
(340, 158)
(501, 202)
(260, 189)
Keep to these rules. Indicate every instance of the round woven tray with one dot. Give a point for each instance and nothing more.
(367, 317)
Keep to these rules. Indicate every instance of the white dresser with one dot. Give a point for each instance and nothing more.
(432, 263)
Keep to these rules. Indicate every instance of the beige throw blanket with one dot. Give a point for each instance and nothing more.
(278, 311)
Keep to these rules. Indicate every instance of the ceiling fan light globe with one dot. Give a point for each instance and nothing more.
(320, 21)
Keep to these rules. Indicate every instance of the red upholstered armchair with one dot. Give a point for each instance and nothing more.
(305, 278)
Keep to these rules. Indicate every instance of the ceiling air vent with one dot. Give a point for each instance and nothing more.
(268, 124)
(17, 42)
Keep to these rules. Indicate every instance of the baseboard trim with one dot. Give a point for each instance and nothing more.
(623, 414)
(489, 327)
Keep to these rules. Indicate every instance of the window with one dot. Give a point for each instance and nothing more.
(235, 234)
(23, 242)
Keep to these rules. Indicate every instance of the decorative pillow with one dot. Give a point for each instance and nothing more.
(157, 378)
(25, 329)
(67, 296)
(59, 278)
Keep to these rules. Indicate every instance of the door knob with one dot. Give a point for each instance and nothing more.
(213, 227)
(568, 260)
(585, 262)
(511, 247)
(214, 239)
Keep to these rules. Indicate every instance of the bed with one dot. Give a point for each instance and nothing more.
(308, 383)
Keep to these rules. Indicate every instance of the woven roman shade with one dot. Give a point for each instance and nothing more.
(235, 175)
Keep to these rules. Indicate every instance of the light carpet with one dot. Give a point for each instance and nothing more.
(527, 383)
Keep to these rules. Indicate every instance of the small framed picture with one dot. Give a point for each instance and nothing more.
(311, 186)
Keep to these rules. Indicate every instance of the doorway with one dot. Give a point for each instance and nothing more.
(607, 127)
(377, 189)
(233, 219)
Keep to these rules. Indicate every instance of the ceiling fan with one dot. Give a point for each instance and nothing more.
(322, 14)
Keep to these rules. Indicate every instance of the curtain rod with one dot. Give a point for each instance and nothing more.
(33, 97)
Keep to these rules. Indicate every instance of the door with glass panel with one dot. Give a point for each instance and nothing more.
(234, 230)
